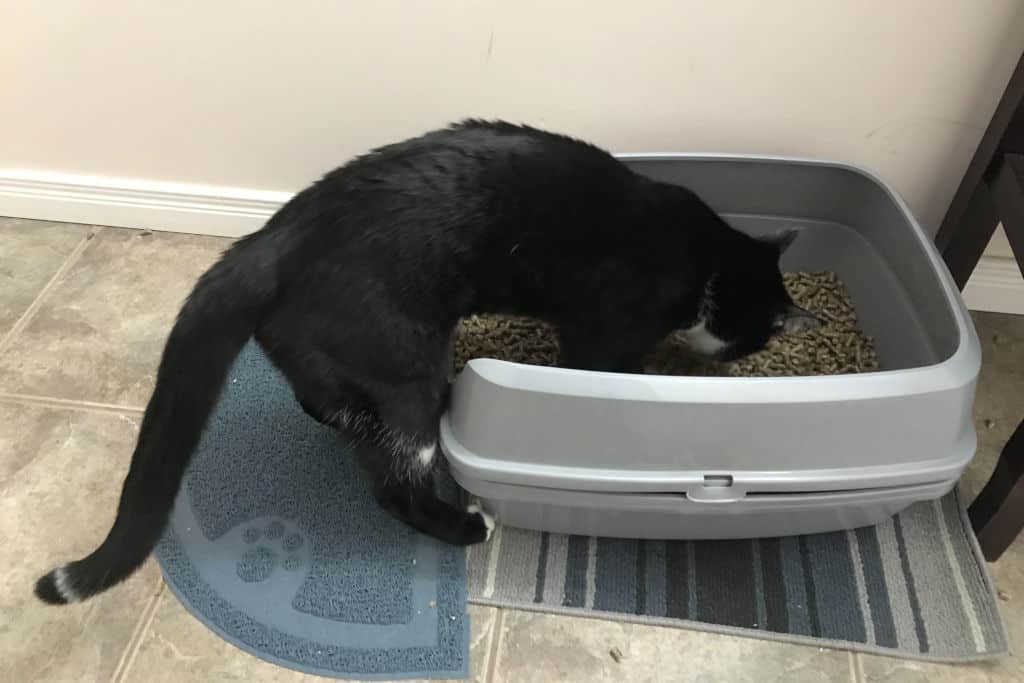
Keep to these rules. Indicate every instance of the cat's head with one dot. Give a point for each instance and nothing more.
(745, 302)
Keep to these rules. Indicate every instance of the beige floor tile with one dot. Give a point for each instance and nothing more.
(176, 648)
(56, 505)
(24, 433)
(482, 631)
(99, 334)
(879, 669)
(889, 670)
(30, 254)
(481, 640)
(999, 403)
(546, 647)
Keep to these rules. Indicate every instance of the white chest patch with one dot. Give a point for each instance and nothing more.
(701, 340)
(425, 456)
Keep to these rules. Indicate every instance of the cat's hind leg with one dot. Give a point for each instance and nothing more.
(397, 446)
(390, 410)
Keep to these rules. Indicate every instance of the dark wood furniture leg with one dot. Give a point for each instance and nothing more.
(997, 514)
(992, 191)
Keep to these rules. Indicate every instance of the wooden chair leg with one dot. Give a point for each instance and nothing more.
(1007, 198)
(963, 244)
(997, 514)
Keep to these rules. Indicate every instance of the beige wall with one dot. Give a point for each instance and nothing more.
(267, 94)
(1000, 246)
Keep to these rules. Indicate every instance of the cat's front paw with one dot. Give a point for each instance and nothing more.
(481, 522)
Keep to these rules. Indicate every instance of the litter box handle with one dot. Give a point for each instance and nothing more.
(716, 488)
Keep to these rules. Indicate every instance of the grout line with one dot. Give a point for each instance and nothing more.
(26, 317)
(138, 635)
(857, 663)
(72, 404)
(497, 635)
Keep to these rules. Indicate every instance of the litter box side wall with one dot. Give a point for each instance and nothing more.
(639, 433)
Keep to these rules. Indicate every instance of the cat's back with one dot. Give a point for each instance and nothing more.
(484, 157)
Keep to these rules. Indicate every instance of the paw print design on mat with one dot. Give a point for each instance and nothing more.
(258, 566)
(271, 545)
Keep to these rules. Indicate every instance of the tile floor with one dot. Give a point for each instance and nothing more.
(83, 313)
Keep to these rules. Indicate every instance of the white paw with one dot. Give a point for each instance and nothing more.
(488, 520)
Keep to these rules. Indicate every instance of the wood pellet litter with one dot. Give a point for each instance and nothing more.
(837, 347)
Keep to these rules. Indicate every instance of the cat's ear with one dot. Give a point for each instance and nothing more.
(782, 239)
(794, 319)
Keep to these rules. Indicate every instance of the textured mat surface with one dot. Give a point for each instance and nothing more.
(915, 586)
(276, 544)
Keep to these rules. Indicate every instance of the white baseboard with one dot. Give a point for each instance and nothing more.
(130, 203)
(997, 286)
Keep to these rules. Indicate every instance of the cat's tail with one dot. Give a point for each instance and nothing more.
(216, 321)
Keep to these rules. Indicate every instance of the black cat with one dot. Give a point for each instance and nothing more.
(355, 286)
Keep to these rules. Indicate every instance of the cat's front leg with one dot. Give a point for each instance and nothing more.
(601, 352)
(584, 350)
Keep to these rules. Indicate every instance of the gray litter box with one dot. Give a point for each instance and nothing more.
(706, 457)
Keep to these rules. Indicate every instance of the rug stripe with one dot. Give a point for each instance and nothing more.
(943, 615)
(576, 572)
(884, 631)
(973, 577)
(591, 572)
(554, 584)
(896, 586)
(515, 578)
(691, 579)
(640, 576)
(796, 594)
(862, 588)
(656, 580)
(478, 562)
(677, 579)
(616, 575)
(809, 588)
(542, 568)
(725, 583)
(837, 605)
(774, 585)
(908, 574)
(757, 565)
(966, 603)
(493, 561)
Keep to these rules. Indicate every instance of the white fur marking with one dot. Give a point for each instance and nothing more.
(701, 340)
(488, 520)
(795, 324)
(63, 583)
(425, 456)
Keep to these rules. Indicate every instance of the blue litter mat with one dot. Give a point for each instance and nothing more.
(276, 544)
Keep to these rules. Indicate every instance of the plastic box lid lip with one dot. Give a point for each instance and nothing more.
(600, 479)
(954, 372)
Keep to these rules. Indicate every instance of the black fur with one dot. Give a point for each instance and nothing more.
(355, 286)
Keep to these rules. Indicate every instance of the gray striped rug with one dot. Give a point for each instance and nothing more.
(915, 586)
